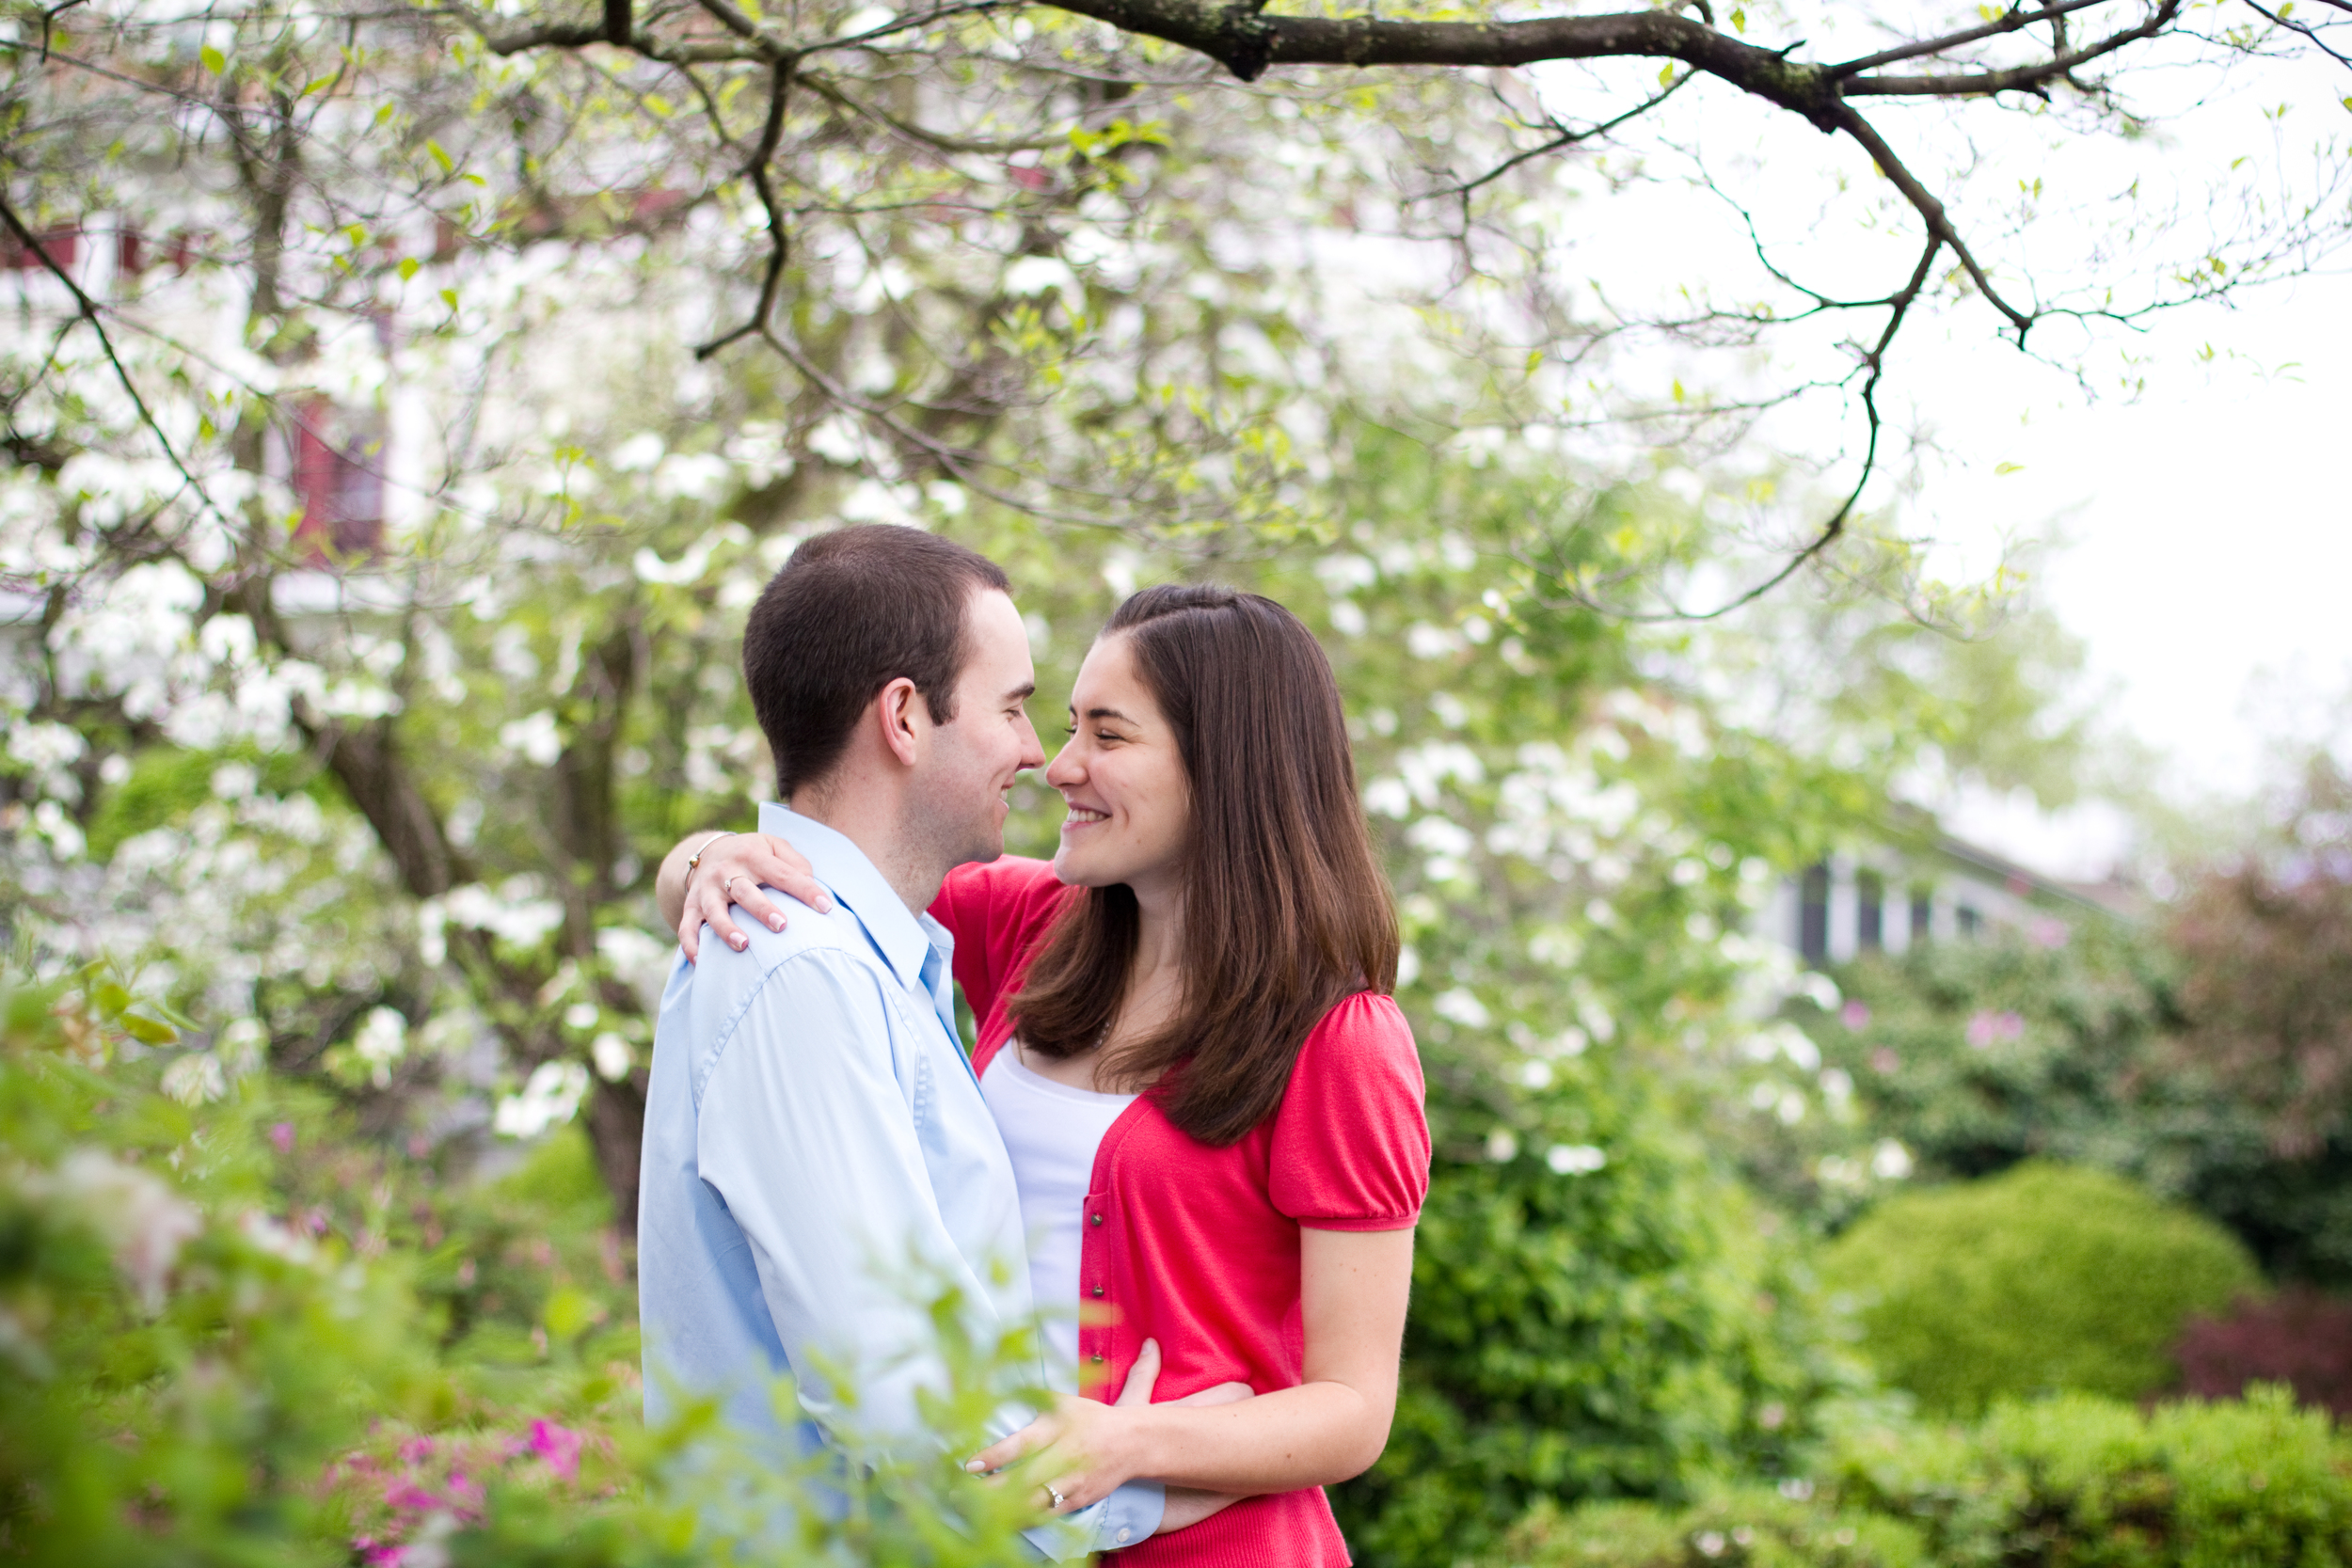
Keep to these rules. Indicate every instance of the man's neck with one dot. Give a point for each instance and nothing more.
(871, 820)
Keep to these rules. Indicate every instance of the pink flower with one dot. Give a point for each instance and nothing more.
(282, 1137)
(415, 1451)
(410, 1496)
(1856, 1015)
(1985, 1028)
(1884, 1061)
(2046, 931)
(559, 1446)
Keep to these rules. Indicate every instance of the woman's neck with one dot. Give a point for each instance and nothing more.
(1156, 975)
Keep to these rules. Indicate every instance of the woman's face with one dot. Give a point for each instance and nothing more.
(1123, 778)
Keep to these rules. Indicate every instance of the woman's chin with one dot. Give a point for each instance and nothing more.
(1070, 865)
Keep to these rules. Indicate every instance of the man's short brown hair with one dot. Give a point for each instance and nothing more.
(851, 611)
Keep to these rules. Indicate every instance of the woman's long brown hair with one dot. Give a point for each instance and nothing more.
(1285, 910)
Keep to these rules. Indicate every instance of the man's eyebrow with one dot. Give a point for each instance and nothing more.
(1022, 693)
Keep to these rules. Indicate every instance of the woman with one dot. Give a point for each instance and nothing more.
(1213, 1107)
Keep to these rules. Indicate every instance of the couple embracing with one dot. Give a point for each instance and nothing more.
(1191, 1134)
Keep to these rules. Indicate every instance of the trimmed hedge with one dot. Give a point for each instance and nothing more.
(2075, 1480)
(2041, 1279)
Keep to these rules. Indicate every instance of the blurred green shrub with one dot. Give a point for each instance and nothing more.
(2045, 1277)
(2075, 1047)
(1746, 1527)
(2082, 1479)
(2073, 1480)
(211, 1350)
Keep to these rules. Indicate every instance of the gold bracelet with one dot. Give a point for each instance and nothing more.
(695, 858)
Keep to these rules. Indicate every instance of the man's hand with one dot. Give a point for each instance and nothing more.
(733, 869)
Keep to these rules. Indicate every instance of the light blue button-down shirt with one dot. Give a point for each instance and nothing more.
(819, 1163)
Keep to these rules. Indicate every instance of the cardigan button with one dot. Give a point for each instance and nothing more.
(1098, 1289)
(1098, 1358)
(1096, 1218)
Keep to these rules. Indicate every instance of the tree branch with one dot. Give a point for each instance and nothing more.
(2010, 23)
(1939, 222)
(2024, 78)
(90, 313)
(779, 235)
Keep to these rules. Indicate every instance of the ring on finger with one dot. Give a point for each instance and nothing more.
(1054, 1491)
(729, 883)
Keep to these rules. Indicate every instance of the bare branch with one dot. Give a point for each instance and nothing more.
(2010, 23)
(779, 235)
(1566, 138)
(1939, 222)
(2028, 78)
(2277, 20)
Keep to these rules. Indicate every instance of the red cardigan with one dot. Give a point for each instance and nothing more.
(1196, 1246)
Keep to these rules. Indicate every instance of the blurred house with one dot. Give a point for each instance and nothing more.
(1920, 884)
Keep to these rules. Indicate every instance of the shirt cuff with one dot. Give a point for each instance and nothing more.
(1127, 1517)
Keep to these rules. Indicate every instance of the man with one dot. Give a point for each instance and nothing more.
(816, 1152)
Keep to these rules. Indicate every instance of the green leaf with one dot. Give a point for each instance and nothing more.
(2004, 469)
(147, 1031)
(408, 266)
(569, 1313)
(215, 62)
(447, 162)
(449, 298)
(1739, 21)
(111, 999)
(1666, 74)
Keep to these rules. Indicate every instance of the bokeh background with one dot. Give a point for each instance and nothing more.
(1889, 1042)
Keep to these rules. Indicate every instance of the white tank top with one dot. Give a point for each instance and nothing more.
(1052, 1131)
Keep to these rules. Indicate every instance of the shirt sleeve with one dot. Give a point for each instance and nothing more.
(1351, 1144)
(998, 912)
(805, 1136)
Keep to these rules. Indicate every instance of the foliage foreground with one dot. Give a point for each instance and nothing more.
(2074, 1479)
(229, 1336)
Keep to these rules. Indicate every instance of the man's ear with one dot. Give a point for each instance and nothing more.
(903, 719)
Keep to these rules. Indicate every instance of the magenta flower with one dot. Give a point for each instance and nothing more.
(1856, 1015)
(1985, 1028)
(415, 1451)
(409, 1494)
(559, 1446)
(281, 1136)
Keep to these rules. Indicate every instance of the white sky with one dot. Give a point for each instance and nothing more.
(2198, 536)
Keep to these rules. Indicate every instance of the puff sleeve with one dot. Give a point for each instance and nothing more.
(1351, 1144)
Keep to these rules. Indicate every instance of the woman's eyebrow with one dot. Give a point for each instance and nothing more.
(1106, 713)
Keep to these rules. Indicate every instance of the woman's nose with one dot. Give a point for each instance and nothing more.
(1067, 770)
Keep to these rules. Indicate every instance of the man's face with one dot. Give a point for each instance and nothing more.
(971, 761)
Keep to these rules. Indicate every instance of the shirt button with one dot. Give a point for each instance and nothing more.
(1098, 1289)
(1123, 1535)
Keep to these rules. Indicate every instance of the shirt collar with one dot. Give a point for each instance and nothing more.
(904, 938)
